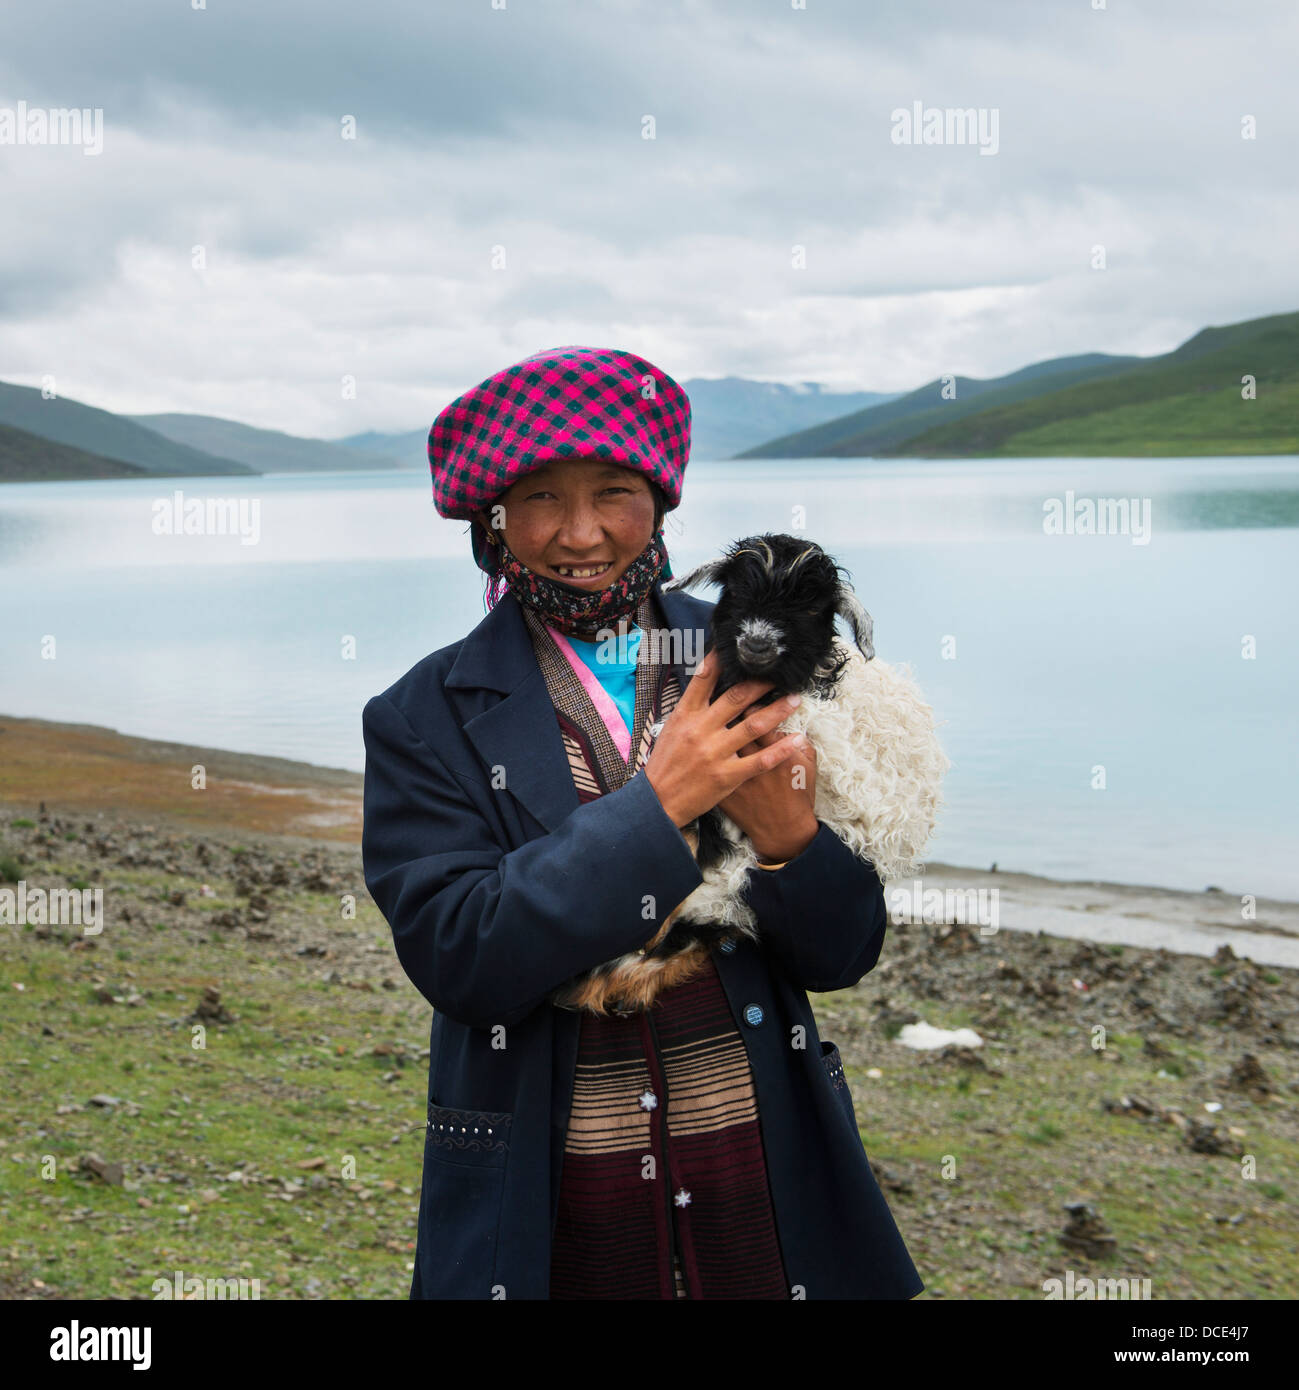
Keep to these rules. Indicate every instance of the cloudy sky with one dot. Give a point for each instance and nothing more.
(500, 195)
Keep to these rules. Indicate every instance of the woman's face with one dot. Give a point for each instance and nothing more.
(577, 514)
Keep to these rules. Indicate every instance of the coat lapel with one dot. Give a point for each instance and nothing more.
(518, 734)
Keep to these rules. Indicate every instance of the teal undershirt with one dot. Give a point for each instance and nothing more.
(617, 677)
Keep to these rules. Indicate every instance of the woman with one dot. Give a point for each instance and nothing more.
(526, 794)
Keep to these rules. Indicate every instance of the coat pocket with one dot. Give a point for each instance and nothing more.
(478, 1137)
(833, 1064)
(465, 1157)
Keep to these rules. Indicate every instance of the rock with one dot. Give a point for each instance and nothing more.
(960, 1056)
(1131, 1105)
(958, 937)
(1248, 1076)
(1204, 1137)
(1086, 1233)
(104, 1102)
(210, 1008)
(110, 1173)
(888, 1179)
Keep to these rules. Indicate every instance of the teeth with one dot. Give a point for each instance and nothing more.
(585, 573)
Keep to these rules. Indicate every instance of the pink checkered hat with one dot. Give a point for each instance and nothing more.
(566, 402)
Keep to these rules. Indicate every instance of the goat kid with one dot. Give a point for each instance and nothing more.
(879, 763)
(879, 767)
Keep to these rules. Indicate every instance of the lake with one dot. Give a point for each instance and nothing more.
(1164, 651)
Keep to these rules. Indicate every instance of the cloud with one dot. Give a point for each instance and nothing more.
(499, 196)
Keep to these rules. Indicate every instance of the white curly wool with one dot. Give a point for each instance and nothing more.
(879, 774)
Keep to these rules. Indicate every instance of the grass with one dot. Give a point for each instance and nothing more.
(282, 1147)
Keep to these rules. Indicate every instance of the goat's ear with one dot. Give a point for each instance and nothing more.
(709, 573)
(861, 622)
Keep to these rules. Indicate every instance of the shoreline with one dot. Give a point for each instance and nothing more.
(89, 769)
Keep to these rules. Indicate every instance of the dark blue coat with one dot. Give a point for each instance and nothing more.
(498, 886)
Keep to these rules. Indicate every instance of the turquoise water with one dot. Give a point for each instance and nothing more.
(1047, 655)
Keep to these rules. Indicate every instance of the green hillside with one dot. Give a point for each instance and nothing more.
(27, 458)
(878, 431)
(100, 432)
(1185, 402)
(267, 451)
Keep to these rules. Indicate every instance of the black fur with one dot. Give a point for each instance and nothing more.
(773, 622)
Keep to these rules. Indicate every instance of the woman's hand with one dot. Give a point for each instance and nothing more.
(773, 809)
(697, 762)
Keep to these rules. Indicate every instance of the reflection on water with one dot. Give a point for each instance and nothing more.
(1049, 657)
(1222, 508)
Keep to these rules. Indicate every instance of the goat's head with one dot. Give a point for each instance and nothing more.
(775, 618)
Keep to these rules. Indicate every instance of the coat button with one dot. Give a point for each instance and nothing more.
(753, 1014)
(726, 947)
(648, 1100)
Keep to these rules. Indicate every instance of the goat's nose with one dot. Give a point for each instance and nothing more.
(758, 648)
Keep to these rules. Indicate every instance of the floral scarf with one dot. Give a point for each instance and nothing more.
(574, 610)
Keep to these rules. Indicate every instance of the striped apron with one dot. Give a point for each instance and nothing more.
(664, 1190)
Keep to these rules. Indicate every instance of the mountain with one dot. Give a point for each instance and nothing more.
(879, 432)
(265, 451)
(731, 414)
(1185, 402)
(106, 435)
(728, 414)
(408, 449)
(27, 458)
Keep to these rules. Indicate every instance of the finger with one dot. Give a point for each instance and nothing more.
(699, 688)
(771, 756)
(731, 704)
(760, 720)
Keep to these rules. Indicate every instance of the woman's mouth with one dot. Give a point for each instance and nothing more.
(583, 574)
